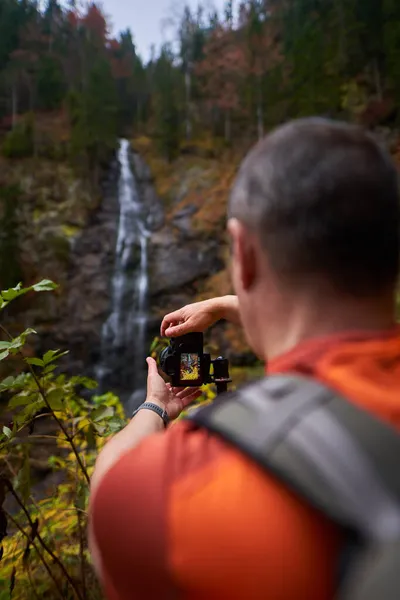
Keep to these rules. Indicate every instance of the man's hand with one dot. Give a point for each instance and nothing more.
(173, 400)
(200, 316)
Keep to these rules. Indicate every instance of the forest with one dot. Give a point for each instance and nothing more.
(70, 88)
(231, 75)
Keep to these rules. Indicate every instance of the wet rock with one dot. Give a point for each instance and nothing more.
(147, 192)
(182, 220)
(174, 264)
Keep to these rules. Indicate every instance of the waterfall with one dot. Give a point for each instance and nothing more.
(123, 340)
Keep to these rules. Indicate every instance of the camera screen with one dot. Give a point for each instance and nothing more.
(190, 367)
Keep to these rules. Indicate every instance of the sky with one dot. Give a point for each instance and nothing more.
(146, 19)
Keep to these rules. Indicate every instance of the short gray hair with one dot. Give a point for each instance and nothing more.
(323, 197)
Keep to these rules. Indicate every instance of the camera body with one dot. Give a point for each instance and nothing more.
(185, 362)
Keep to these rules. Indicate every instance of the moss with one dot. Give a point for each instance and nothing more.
(70, 231)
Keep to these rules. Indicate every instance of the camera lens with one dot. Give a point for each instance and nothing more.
(164, 354)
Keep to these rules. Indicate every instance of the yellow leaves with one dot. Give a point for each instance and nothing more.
(354, 98)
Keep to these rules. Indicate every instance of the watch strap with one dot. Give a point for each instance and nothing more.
(162, 413)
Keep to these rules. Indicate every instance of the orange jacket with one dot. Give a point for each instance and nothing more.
(184, 515)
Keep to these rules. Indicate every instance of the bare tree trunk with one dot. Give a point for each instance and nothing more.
(188, 86)
(377, 79)
(14, 105)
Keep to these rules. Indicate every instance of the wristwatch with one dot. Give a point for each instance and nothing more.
(159, 411)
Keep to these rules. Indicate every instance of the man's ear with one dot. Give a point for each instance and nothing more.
(243, 253)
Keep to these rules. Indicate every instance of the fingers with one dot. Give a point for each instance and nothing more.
(170, 320)
(185, 392)
(187, 400)
(177, 330)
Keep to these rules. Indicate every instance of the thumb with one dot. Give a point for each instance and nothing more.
(151, 363)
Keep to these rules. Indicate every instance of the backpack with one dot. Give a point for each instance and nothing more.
(334, 455)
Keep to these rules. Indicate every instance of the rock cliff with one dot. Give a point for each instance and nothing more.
(67, 232)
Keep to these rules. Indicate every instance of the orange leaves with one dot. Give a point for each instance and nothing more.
(231, 56)
(95, 22)
(73, 18)
(222, 69)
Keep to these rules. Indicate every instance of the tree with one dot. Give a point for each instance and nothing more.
(222, 72)
(167, 87)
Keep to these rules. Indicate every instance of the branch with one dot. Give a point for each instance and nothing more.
(62, 427)
(46, 566)
(41, 540)
(59, 423)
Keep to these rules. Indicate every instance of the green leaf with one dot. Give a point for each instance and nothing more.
(28, 412)
(22, 400)
(4, 345)
(116, 424)
(90, 437)
(154, 344)
(103, 412)
(55, 399)
(46, 285)
(49, 369)
(7, 431)
(49, 355)
(100, 429)
(13, 382)
(89, 384)
(35, 361)
(52, 355)
(19, 341)
(12, 293)
(7, 383)
(4, 354)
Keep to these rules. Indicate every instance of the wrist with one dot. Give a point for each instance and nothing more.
(226, 308)
(158, 410)
(157, 402)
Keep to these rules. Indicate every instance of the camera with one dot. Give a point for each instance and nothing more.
(185, 362)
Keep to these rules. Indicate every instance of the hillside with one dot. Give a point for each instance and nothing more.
(194, 190)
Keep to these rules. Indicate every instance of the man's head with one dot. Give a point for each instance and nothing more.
(315, 205)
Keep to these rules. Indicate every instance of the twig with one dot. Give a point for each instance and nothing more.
(41, 540)
(46, 566)
(32, 499)
(59, 423)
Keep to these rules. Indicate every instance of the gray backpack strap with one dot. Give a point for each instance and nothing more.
(375, 574)
(335, 455)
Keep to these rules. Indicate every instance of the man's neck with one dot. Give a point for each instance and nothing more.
(312, 317)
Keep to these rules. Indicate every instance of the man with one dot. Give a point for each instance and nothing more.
(177, 513)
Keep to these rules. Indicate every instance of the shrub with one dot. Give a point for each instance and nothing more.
(45, 553)
(19, 143)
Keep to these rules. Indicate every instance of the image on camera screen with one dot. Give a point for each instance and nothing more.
(190, 367)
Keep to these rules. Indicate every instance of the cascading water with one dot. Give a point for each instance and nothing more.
(124, 333)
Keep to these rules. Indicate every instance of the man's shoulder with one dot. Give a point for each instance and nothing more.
(182, 453)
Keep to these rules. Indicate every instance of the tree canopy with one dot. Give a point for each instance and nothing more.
(232, 74)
